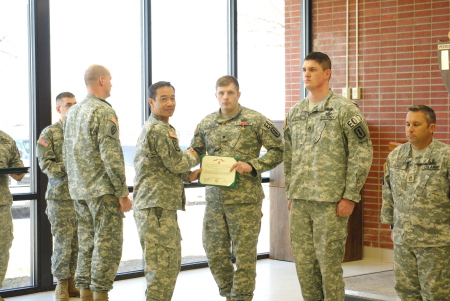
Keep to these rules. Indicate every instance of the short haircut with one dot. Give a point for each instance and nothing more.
(94, 72)
(156, 86)
(321, 58)
(62, 95)
(226, 80)
(430, 116)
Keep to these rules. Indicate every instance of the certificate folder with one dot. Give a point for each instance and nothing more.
(13, 170)
(216, 171)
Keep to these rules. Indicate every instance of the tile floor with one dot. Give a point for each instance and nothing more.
(276, 281)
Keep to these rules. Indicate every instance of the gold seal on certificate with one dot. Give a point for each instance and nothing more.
(216, 171)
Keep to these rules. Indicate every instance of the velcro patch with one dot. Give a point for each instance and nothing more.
(44, 142)
(172, 134)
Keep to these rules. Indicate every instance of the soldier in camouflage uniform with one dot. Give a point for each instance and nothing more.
(9, 157)
(233, 215)
(416, 203)
(95, 166)
(328, 154)
(60, 208)
(161, 168)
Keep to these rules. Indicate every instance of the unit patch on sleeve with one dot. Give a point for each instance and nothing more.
(360, 133)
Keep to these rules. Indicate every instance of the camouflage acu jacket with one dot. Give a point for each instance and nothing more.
(242, 136)
(92, 152)
(49, 152)
(160, 167)
(416, 195)
(328, 152)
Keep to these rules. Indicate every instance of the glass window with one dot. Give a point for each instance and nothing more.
(19, 266)
(261, 63)
(14, 91)
(189, 49)
(108, 33)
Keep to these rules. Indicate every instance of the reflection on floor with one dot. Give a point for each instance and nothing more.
(276, 281)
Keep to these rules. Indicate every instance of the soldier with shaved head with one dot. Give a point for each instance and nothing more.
(95, 166)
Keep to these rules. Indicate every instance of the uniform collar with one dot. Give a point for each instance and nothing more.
(220, 118)
(406, 154)
(98, 98)
(321, 105)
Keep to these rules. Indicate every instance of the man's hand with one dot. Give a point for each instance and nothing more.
(345, 207)
(289, 204)
(125, 204)
(193, 175)
(17, 176)
(191, 151)
(241, 167)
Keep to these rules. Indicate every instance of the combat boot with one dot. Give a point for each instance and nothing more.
(73, 291)
(86, 294)
(62, 290)
(101, 296)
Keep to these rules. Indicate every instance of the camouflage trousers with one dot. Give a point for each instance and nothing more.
(235, 225)
(63, 221)
(6, 238)
(422, 273)
(318, 239)
(160, 239)
(100, 239)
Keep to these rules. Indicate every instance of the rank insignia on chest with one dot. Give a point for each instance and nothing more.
(431, 167)
(172, 134)
(243, 124)
(410, 178)
(44, 142)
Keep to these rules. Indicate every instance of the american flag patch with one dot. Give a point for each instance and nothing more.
(44, 142)
(173, 135)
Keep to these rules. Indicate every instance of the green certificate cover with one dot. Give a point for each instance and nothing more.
(13, 170)
(216, 171)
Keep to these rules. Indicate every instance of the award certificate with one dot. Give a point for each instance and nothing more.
(216, 171)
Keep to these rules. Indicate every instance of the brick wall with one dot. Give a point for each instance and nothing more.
(398, 67)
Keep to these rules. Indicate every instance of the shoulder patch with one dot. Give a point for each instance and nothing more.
(172, 134)
(44, 142)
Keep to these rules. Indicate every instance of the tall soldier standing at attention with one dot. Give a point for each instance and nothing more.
(328, 154)
(94, 161)
(161, 167)
(9, 157)
(233, 215)
(60, 206)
